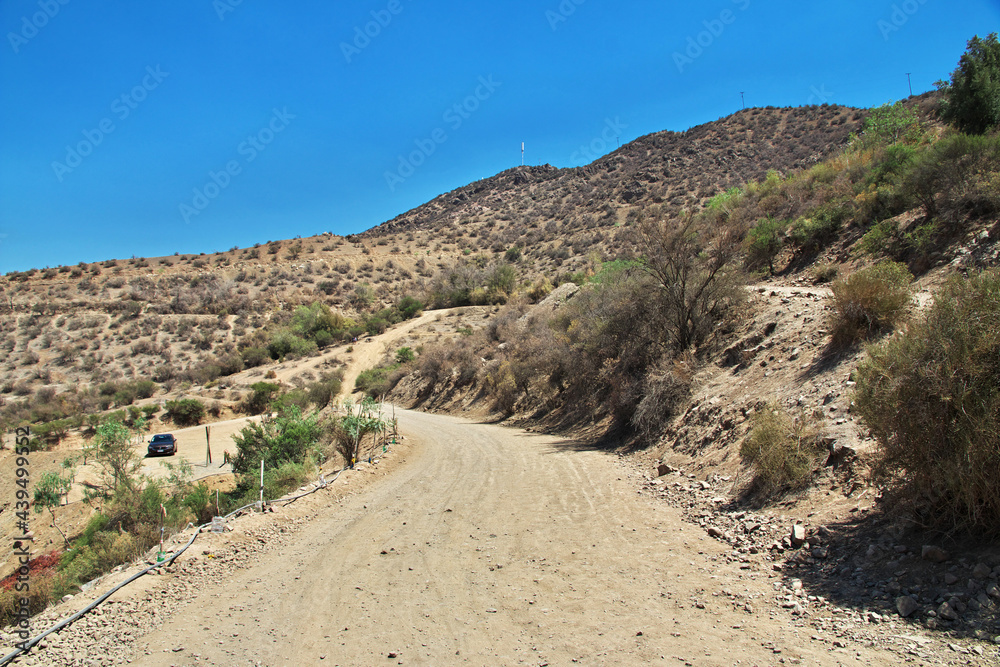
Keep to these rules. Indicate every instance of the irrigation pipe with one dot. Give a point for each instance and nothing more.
(26, 646)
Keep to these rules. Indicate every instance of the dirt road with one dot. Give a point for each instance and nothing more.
(488, 546)
(191, 447)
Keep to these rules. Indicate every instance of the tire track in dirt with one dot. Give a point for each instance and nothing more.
(547, 555)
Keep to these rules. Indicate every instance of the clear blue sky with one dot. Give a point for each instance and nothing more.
(134, 128)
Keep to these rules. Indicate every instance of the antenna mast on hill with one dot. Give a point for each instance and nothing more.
(742, 101)
(522, 153)
(909, 84)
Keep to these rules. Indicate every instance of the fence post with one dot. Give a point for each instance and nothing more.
(262, 485)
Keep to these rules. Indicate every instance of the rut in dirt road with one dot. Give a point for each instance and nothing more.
(489, 546)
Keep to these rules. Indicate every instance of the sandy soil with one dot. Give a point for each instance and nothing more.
(490, 546)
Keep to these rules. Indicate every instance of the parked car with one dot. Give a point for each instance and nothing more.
(163, 443)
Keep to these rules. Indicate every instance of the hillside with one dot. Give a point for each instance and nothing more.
(566, 317)
(181, 320)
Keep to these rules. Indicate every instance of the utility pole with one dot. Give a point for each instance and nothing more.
(522, 153)
(743, 101)
(909, 84)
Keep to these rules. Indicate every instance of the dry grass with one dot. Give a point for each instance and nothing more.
(782, 451)
(870, 301)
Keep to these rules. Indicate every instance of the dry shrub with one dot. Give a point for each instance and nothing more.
(503, 387)
(456, 361)
(870, 301)
(664, 396)
(39, 594)
(782, 450)
(931, 399)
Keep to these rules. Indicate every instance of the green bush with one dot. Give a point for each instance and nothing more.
(881, 238)
(763, 243)
(410, 307)
(783, 451)
(404, 355)
(260, 399)
(819, 228)
(255, 356)
(932, 401)
(870, 301)
(958, 177)
(186, 411)
(198, 500)
(284, 343)
(379, 381)
(288, 438)
(298, 398)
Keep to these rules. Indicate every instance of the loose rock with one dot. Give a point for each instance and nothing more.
(934, 554)
(906, 605)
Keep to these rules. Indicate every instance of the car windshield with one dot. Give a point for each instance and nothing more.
(162, 438)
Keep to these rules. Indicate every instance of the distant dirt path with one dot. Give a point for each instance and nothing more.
(488, 546)
(369, 350)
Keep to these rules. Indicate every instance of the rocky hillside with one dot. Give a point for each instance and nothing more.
(182, 320)
(530, 205)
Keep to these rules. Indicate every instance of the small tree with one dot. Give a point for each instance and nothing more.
(261, 398)
(890, 123)
(763, 243)
(351, 429)
(116, 458)
(972, 98)
(51, 491)
(693, 261)
(287, 438)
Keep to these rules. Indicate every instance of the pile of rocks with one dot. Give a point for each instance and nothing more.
(835, 580)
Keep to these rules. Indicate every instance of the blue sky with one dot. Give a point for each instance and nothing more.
(152, 128)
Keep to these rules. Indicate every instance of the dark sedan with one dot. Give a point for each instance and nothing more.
(165, 443)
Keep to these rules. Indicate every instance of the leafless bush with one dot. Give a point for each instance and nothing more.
(663, 398)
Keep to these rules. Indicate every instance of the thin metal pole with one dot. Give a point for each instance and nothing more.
(909, 84)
